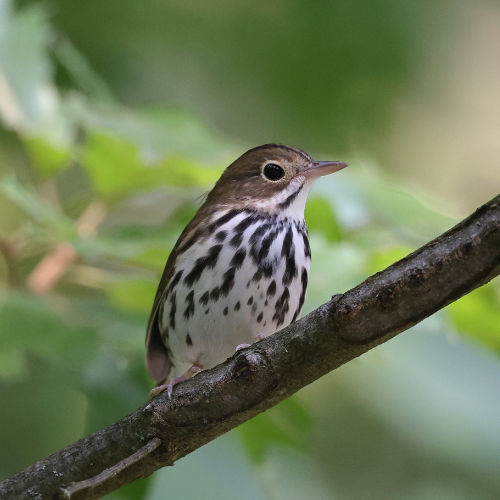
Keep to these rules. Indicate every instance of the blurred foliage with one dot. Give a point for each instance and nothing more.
(110, 184)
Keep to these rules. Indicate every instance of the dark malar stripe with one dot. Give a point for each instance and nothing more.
(189, 311)
(289, 200)
(208, 261)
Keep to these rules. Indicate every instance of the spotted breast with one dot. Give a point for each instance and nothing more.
(245, 280)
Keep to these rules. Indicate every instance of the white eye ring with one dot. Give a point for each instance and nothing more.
(273, 171)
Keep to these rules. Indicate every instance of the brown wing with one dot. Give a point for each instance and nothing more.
(157, 359)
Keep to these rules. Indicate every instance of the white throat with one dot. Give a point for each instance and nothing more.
(291, 201)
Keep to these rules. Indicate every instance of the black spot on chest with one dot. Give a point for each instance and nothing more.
(281, 307)
(189, 311)
(228, 282)
(288, 252)
(223, 219)
(271, 289)
(238, 258)
(221, 236)
(176, 279)
(242, 226)
(208, 261)
(204, 298)
(303, 279)
(173, 307)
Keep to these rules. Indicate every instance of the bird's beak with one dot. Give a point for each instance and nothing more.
(319, 168)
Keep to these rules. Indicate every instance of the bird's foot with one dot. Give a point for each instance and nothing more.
(169, 386)
(259, 336)
(239, 347)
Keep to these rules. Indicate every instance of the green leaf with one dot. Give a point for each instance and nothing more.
(27, 324)
(80, 70)
(46, 157)
(319, 217)
(30, 100)
(384, 257)
(116, 168)
(35, 208)
(132, 295)
(156, 133)
(13, 364)
(289, 424)
(477, 315)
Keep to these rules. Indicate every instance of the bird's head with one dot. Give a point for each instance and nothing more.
(273, 178)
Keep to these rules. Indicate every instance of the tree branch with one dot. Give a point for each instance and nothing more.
(259, 377)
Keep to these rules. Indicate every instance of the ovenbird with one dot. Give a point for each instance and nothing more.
(240, 268)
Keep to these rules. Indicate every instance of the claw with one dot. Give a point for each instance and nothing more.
(169, 387)
(239, 347)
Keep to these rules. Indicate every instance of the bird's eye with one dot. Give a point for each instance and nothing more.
(273, 172)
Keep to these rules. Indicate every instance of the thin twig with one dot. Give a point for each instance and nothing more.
(84, 488)
(53, 266)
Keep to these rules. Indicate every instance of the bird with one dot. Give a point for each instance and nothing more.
(239, 270)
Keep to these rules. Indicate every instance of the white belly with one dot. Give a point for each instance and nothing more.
(208, 313)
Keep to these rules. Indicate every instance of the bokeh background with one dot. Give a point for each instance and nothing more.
(117, 115)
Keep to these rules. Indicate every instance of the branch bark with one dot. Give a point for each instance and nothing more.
(259, 377)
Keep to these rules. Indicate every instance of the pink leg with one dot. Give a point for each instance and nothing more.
(239, 347)
(174, 381)
(259, 336)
